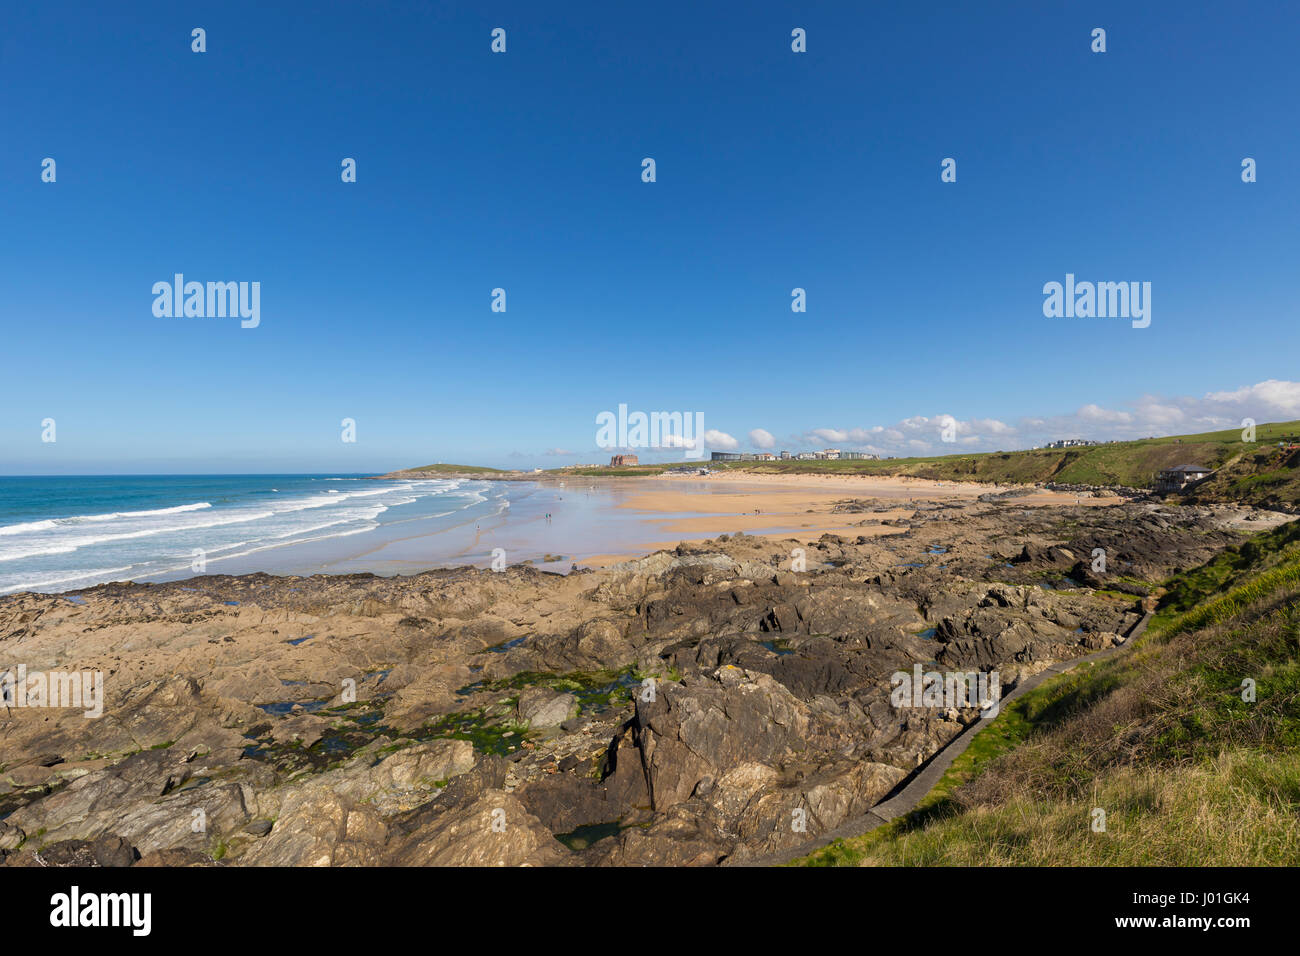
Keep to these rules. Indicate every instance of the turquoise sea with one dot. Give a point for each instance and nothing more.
(59, 533)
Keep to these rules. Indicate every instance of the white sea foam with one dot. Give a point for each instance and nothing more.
(69, 544)
(47, 524)
(12, 583)
(61, 553)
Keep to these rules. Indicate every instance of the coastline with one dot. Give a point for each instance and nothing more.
(292, 702)
(689, 509)
(558, 525)
(596, 522)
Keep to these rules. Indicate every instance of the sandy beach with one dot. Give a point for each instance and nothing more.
(331, 525)
(688, 508)
(341, 719)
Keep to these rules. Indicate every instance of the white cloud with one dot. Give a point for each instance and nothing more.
(991, 426)
(1095, 413)
(1281, 399)
(1268, 401)
(1272, 400)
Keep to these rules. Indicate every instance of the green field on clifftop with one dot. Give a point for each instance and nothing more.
(456, 469)
(1254, 473)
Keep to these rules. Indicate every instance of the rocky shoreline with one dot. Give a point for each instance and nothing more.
(710, 704)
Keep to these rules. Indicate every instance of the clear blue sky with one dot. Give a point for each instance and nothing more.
(522, 171)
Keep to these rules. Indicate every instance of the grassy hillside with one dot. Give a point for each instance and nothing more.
(1267, 476)
(455, 469)
(1258, 473)
(1255, 473)
(1158, 737)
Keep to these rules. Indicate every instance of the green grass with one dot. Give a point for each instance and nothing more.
(1016, 723)
(1236, 575)
(1160, 737)
(1253, 471)
(626, 471)
(1239, 808)
(1228, 606)
(455, 469)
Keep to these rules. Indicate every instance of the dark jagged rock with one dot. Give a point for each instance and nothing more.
(727, 704)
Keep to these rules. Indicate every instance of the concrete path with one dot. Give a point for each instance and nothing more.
(926, 777)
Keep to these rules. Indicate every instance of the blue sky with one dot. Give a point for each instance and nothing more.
(522, 170)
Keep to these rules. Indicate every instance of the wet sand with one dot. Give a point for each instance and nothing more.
(800, 506)
(594, 522)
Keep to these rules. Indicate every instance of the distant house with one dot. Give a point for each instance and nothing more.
(742, 456)
(859, 455)
(621, 460)
(1179, 478)
(1070, 443)
(829, 454)
(785, 456)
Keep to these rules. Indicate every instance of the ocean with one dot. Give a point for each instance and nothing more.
(69, 532)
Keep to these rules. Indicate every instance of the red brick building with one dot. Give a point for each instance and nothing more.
(619, 460)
